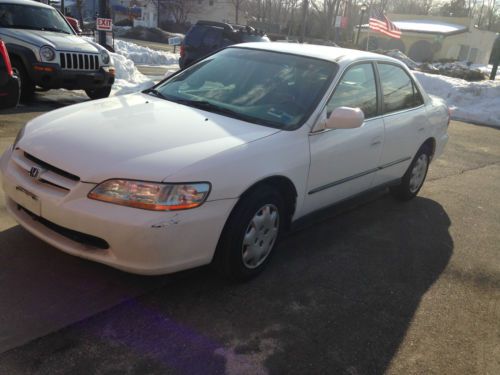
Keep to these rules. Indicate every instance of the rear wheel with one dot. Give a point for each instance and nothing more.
(250, 235)
(414, 177)
(25, 83)
(100, 93)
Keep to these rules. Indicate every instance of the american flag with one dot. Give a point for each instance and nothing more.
(379, 22)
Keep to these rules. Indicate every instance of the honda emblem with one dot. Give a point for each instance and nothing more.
(34, 172)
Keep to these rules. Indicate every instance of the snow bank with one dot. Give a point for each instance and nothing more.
(128, 78)
(144, 55)
(476, 102)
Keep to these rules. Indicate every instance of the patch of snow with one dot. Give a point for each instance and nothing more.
(128, 79)
(144, 55)
(476, 102)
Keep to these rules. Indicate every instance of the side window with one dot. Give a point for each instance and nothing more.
(356, 89)
(398, 90)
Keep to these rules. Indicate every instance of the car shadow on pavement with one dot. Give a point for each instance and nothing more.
(337, 297)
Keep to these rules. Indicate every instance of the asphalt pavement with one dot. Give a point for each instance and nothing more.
(377, 287)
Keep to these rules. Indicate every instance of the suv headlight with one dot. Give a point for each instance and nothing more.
(150, 195)
(105, 56)
(47, 53)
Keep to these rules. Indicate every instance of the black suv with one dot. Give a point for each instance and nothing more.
(205, 37)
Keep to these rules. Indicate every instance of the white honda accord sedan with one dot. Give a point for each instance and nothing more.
(214, 163)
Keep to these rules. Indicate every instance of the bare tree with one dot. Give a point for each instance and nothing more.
(179, 9)
(237, 6)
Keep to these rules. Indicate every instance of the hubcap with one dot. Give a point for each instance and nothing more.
(16, 73)
(260, 236)
(418, 173)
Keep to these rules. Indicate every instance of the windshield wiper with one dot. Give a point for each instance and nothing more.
(55, 29)
(155, 92)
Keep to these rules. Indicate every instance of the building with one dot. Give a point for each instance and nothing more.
(215, 10)
(431, 38)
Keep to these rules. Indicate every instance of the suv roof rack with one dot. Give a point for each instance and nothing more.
(231, 27)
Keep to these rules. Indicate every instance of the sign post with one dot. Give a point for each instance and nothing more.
(175, 41)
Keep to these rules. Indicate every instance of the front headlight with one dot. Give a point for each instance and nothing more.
(150, 195)
(47, 53)
(19, 136)
(105, 56)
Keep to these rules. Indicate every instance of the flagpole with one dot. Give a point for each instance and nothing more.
(368, 37)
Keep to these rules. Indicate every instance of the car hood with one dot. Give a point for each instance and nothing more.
(59, 41)
(135, 136)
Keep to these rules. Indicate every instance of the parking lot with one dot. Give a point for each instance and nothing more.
(375, 286)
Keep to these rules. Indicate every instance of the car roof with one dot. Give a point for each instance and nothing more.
(26, 2)
(341, 56)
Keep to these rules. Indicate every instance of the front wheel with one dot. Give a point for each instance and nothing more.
(25, 83)
(414, 177)
(99, 93)
(251, 233)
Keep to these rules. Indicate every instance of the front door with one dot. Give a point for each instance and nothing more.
(344, 161)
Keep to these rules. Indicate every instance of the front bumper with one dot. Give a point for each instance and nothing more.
(51, 76)
(138, 241)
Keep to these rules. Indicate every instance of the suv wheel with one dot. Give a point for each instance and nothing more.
(25, 83)
(100, 93)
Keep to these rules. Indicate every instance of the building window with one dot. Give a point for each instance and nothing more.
(464, 52)
(473, 55)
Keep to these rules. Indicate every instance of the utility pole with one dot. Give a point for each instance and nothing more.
(305, 6)
(63, 11)
(103, 12)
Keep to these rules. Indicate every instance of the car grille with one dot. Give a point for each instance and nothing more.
(50, 175)
(79, 61)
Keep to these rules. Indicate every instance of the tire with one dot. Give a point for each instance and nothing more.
(414, 177)
(248, 239)
(25, 83)
(100, 93)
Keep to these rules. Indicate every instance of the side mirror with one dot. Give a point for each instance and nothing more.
(345, 118)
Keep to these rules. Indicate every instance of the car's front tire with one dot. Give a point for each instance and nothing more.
(414, 178)
(100, 93)
(250, 235)
(25, 83)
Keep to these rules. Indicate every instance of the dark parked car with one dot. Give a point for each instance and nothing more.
(9, 84)
(206, 37)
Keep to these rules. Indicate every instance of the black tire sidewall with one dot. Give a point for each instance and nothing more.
(402, 191)
(26, 85)
(228, 258)
(100, 93)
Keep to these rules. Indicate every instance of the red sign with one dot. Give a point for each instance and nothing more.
(104, 24)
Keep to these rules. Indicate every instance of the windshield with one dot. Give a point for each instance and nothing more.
(17, 16)
(263, 87)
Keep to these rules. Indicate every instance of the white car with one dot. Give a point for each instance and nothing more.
(214, 163)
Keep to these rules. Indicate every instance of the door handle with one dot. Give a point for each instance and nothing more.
(376, 141)
(421, 129)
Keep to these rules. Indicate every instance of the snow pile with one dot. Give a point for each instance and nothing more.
(476, 102)
(128, 79)
(144, 55)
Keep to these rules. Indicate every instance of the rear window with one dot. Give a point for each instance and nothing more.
(203, 35)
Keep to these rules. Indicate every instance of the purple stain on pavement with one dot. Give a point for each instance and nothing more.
(162, 339)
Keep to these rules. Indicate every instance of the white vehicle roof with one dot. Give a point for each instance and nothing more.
(26, 2)
(339, 55)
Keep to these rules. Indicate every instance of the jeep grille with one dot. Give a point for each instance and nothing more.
(79, 61)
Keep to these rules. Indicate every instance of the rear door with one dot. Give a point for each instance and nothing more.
(405, 121)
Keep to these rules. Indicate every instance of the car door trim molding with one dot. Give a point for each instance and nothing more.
(358, 175)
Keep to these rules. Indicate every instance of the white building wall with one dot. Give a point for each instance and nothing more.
(215, 10)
